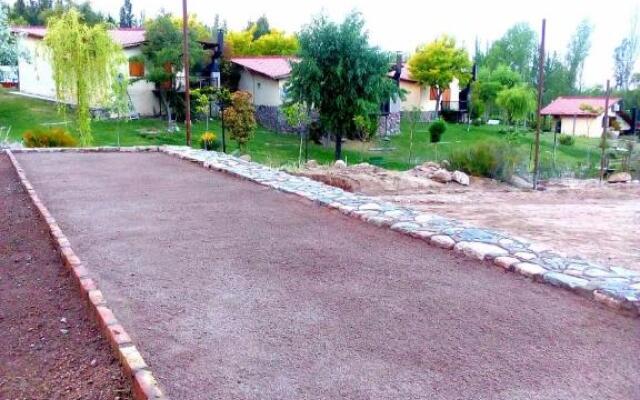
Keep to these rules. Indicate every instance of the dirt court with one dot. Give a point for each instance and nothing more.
(593, 220)
(233, 290)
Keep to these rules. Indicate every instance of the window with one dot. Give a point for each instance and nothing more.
(433, 94)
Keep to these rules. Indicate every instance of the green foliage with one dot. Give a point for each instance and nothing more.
(577, 53)
(53, 137)
(438, 63)
(8, 45)
(566, 140)
(127, 20)
(339, 73)
(518, 102)
(85, 62)
(492, 159)
(163, 47)
(296, 115)
(38, 12)
(490, 83)
(239, 119)
(515, 49)
(246, 43)
(436, 129)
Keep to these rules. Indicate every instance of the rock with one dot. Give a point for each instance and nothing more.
(442, 241)
(480, 251)
(430, 165)
(442, 175)
(519, 182)
(340, 164)
(460, 177)
(530, 270)
(311, 164)
(245, 157)
(505, 262)
(619, 177)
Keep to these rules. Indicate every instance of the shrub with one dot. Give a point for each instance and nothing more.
(52, 137)
(208, 141)
(239, 118)
(436, 130)
(566, 140)
(491, 159)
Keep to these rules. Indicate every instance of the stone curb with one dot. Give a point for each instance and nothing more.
(614, 287)
(143, 384)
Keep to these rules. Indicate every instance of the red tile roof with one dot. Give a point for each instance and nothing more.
(274, 67)
(570, 105)
(126, 37)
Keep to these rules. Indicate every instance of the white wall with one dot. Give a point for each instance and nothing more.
(418, 96)
(588, 126)
(36, 78)
(265, 91)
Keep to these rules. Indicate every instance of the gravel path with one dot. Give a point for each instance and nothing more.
(236, 291)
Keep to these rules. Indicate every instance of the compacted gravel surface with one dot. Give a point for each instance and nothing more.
(232, 290)
(49, 348)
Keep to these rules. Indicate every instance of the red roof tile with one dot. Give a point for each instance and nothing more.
(129, 37)
(570, 105)
(274, 67)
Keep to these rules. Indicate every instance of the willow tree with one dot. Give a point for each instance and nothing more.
(85, 64)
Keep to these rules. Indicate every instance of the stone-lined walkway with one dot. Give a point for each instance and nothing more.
(615, 286)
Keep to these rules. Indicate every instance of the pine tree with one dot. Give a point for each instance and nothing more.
(127, 20)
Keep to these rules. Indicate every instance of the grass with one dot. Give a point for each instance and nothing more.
(267, 147)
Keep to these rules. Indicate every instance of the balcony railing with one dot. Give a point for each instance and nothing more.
(454, 105)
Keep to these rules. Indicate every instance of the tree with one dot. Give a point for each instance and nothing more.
(516, 49)
(162, 51)
(437, 64)
(518, 102)
(272, 43)
(339, 74)
(626, 54)
(556, 79)
(127, 20)
(8, 45)
(261, 27)
(297, 116)
(85, 62)
(239, 119)
(577, 52)
(490, 83)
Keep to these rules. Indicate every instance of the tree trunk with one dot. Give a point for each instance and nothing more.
(338, 154)
(165, 101)
(438, 96)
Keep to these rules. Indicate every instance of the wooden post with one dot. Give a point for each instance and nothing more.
(536, 156)
(185, 64)
(605, 128)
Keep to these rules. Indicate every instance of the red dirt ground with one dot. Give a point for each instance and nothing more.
(49, 348)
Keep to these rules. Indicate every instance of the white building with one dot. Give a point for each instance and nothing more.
(583, 115)
(35, 72)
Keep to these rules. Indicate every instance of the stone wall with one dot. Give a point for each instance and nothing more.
(272, 118)
(425, 116)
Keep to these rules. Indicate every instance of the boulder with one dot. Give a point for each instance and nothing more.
(442, 175)
(619, 177)
(340, 164)
(430, 165)
(311, 164)
(460, 177)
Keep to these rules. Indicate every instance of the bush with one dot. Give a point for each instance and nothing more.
(208, 141)
(52, 137)
(566, 140)
(492, 159)
(436, 130)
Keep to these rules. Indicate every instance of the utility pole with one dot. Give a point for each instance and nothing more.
(605, 128)
(185, 66)
(536, 159)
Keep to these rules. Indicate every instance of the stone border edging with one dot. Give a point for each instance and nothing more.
(617, 288)
(143, 384)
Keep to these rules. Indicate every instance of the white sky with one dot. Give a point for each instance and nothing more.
(404, 24)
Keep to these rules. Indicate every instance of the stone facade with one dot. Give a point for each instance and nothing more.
(389, 124)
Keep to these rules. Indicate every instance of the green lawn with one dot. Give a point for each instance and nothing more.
(276, 149)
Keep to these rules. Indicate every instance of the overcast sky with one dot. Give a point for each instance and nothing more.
(404, 24)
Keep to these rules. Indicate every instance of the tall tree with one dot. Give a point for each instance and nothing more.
(516, 49)
(85, 63)
(626, 54)
(437, 64)
(162, 51)
(577, 52)
(556, 78)
(261, 27)
(8, 45)
(127, 20)
(340, 74)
